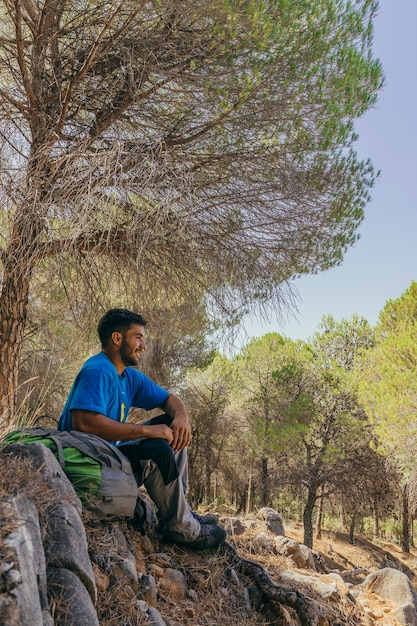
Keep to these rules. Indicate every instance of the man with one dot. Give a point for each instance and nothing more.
(104, 390)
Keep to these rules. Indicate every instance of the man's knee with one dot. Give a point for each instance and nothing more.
(160, 452)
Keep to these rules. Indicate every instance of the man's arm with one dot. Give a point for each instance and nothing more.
(106, 428)
(180, 424)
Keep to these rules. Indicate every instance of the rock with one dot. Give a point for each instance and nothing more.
(72, 601)
(46, 464)
(233, 525)
(263, 544)
(23, 576)
(319, 562)
(66, 544)
(290, 548)
(274, 521)
(173, 584)
(395, 586)
(147, 589)
(155, 618)
(308, 557)
(160, 558)
(192, 595)
(326, 591)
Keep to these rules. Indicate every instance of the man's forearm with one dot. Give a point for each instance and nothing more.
(106, 428)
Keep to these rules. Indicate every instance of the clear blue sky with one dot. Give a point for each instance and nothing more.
(383, 262)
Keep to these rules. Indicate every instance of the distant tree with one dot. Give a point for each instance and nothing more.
(207, 395)
(193, 147)
(388, 387)
(333, 422)
(259, 401)
(368, 485)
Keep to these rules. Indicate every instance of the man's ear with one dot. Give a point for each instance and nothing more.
(117, 338)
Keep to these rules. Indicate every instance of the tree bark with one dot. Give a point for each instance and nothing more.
(18, 262)
(249, 495)
(207, 476)
(352, 529)
(265, 482)
(319, 517)
(376, 521)
(308, 516)
(276, 594)
(405, 540)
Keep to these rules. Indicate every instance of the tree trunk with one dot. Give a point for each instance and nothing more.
(343, 517)
(405, 541)
(18, 263)
(207, 481)
(308, 516)
(376, 521)
(352, 529)
(249, 496)
(265, 482)
(319, 517)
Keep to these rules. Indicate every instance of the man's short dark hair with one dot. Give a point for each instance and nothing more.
(119, 320)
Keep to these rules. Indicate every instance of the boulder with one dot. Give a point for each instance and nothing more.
(395, 586)
(23, 595)
(273, 520)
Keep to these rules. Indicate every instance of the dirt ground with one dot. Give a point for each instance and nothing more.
(367, 554)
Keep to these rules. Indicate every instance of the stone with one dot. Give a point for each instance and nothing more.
(291, 549)
(263, 544)
(233, 525)
(155, 618)
(273, 520)
(326, 591)
(71, 599)
(160, 558)
(192, 595)
(156, 571)
(147, 589)
(173, 584)
(46, 464)
(23, 575)
(395, 586)
(66, 544)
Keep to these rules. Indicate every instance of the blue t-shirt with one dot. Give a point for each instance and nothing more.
(98, 387)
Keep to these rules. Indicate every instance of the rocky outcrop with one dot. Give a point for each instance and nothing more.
(55, 572)
(51, 574)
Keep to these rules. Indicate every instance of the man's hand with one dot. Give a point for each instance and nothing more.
(158, 431)
(180, 423)
(181, 431)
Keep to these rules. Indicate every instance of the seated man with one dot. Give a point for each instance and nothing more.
(99, 401)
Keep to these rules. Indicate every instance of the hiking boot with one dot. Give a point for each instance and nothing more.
(211, 536)
(201, 519)
(206, 519)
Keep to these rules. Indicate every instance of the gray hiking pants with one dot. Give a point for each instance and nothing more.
(165, 476)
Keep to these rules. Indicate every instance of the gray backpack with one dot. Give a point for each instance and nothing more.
(101, 475)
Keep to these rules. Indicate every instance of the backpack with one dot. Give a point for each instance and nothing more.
(101, 475)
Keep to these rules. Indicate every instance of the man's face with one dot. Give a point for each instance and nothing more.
(133, 343)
